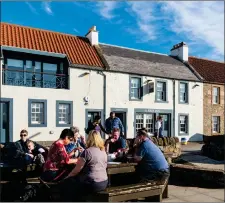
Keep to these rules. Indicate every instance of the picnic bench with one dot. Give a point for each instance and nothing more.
(150, 191)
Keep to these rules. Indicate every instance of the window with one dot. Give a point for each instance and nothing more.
(15, 71)
(183, 92)
(161, 91)
(135, 88)
(216, 93)
(183, 124)
(145, 120)
(49, 78)
(216, 124)
(34, 73)
(37, 113)
(64, 113)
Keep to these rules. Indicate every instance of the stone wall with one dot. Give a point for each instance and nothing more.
(196, 176)
(214, 147)
(211, 109)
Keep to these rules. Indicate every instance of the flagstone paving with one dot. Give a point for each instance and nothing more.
(194, 194)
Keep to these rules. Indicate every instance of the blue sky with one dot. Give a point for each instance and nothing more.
(145, 25)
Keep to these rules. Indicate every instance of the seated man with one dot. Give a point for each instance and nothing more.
(22, 149)
(152, 164)
(115, 143)
(36, 154)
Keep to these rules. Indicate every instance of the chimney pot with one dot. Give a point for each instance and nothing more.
(180, 50)
(92, 35)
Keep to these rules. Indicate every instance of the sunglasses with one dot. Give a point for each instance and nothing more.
(23, 135)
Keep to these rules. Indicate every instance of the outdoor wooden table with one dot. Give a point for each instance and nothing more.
(120, 168)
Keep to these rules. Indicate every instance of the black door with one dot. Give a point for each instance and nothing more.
(122, 116)
(90, 118)
(4, 122)
(166, 124)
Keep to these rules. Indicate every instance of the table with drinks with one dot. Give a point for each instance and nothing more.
(115, 167)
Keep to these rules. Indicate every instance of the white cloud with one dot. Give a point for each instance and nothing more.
(33, 10)
(202, 22)
(106, 8)
(199, 23)
(47, 8)
(143, 12)
(75, 30)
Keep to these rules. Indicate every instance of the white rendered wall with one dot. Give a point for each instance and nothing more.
(118, 97)
(80, 86)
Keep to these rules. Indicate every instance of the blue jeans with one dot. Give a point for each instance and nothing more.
(28, 160)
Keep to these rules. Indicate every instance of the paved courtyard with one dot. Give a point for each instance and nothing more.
(191, 153)
(194, 194)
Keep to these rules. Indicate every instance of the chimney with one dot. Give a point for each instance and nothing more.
(92, 35)
(180, 50)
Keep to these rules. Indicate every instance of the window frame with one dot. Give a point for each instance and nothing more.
(187, 92)
(141, 87)
(44, 101)
(58, 102)
(145, 114)
(218, 88)
(186, 133)
(214, 132)
(166, 97)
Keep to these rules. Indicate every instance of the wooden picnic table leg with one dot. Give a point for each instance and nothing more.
(165, 192)
(109, 180)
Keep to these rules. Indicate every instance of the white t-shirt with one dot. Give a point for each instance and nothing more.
(158, 125)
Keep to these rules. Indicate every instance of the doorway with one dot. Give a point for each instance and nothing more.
(122, 115)
(6, 120)
(166, 121)
(90, 115)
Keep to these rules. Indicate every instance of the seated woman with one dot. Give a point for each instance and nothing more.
(75, 148)
(57, 160)
(90, 174)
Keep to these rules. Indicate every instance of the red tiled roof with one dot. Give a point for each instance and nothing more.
(211, 71)
(77, 49)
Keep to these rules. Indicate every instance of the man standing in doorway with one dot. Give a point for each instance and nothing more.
(113, 122)
(158, 127)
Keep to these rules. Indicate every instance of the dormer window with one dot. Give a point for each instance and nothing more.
(35, 71)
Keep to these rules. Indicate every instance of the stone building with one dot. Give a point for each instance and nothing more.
(213, 74)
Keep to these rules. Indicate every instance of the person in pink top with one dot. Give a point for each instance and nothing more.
(57, 160)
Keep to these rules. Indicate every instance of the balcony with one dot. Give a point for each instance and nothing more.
(29, 79)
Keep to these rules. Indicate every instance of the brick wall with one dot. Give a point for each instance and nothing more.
(211, 109)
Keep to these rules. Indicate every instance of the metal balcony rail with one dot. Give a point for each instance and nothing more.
(31, 79)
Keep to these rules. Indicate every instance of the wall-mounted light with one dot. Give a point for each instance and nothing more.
(196, 85)
(84, 74)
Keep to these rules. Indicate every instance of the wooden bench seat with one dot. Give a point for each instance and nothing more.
(149, 190)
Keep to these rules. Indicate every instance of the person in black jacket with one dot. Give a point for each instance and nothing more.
(22, 151)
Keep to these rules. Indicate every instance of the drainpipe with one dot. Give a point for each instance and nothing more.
(104, 94)
(174, 107)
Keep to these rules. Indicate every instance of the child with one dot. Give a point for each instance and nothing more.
(37, 154)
